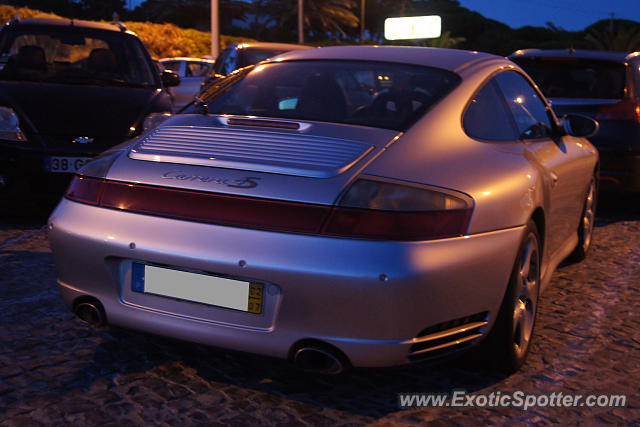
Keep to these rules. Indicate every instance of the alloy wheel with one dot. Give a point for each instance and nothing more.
(588, 218)
(526, 292)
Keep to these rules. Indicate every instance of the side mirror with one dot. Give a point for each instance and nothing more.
(579, 125)
(169, 78)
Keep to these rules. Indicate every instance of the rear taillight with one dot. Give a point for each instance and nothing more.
(85, 190)
(223, 209)
(624, 110)
(369, 209)
(391, 211)
(385, 225)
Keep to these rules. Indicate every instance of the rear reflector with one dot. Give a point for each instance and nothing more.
(267, 214)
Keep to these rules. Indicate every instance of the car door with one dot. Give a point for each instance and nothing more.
(558, 158)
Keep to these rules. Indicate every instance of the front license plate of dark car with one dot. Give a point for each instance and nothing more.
(196, 287)
(58, 164)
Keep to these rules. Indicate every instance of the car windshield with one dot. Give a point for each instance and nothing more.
(377, 94)
(576, 78)
(75, 57)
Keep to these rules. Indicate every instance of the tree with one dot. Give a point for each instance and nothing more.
(378, 10)
(620, 35)
(101, 9)
(321, 17)
(190, 13)
(59, 7)
(445, 41)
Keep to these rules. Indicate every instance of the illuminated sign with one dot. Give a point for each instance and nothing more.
(414, 27)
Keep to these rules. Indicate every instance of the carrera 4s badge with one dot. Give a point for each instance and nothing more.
(246, 182)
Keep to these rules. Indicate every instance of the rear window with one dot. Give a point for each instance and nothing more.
(576, 78)
(377, 94)
(250, 56)
(74, 56)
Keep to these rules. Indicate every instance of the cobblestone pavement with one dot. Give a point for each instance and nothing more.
(56, 370)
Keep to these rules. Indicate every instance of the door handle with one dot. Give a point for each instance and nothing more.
(554, 179)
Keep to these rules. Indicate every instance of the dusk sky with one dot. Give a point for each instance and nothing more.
(571, 15)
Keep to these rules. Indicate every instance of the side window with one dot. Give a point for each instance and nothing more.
(218, 66)
(528, 109)
(488, 117)
(229, 62)
(197, 69)
(172, 65)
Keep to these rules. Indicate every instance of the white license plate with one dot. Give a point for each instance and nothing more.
(59, 164)
(202, 288)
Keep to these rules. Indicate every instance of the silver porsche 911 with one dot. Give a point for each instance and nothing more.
(343, 206)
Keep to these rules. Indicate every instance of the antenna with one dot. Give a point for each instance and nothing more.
(612, 14)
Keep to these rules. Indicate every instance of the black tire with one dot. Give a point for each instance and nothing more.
(587, 222)
(509, 341)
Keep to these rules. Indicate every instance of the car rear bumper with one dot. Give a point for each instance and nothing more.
(369, 299)
(25, 172)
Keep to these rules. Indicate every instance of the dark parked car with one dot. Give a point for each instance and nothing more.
(241, 55)
(69, 90)
(602, 85)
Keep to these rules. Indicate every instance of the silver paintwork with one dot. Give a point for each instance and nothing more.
(331, 289)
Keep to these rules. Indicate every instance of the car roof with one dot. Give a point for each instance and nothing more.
(186, 58)
(63, 22)
(451, 59)
(574, 53)
(268, 45)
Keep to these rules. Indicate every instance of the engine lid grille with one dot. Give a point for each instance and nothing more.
(248, 149)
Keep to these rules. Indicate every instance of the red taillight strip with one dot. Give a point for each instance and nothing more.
(200, 206)
(85, 190)
(373, 224)
(267, 214)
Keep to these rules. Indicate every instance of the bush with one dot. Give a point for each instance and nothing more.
(162, 40)
(8, 12)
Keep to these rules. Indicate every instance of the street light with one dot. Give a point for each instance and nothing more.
(300, 22)
(362, 20)
(215, 30)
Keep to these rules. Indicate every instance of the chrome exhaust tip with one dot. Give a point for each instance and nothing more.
(319, 360)
(90, 312)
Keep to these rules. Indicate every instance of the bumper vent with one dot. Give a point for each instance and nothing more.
(448, 337)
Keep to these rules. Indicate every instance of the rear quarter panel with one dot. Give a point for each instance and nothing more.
(505, 181)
